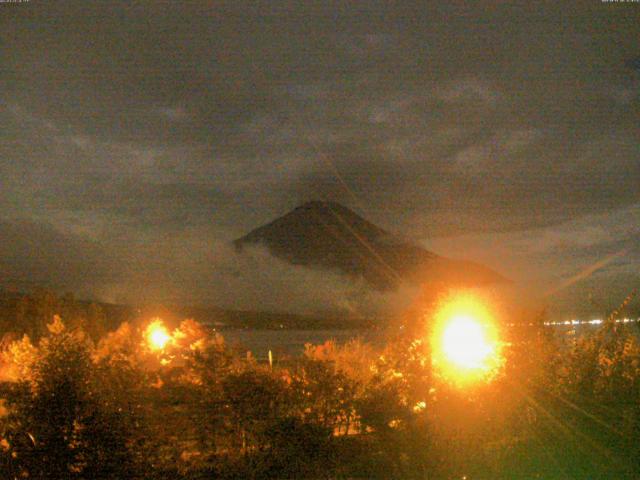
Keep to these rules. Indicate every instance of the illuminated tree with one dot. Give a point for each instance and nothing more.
(64, 424)
(324, 395)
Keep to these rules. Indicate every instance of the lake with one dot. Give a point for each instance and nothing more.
(292, 341)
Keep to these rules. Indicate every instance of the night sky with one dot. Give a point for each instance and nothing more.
(138, 140)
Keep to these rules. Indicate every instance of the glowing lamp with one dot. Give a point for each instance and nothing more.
(157, 335)
(465, 343)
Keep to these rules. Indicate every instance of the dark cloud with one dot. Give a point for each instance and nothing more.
(34, 254)
(127, 121)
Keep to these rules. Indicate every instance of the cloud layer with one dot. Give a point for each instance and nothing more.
(193, 123)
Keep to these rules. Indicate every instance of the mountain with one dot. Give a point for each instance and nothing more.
(331, 236)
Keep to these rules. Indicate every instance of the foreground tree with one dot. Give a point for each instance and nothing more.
(63, 423)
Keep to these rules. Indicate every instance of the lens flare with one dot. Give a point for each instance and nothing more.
(157, 335)
(465, 343)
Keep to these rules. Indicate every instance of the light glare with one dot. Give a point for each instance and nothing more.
(464, 340)
(157, 335)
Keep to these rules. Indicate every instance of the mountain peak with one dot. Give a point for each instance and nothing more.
(311, 204)
(322, 205)
(329, 235)
(334, 210)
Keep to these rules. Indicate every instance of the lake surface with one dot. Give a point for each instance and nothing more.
(292, 342)
(289, 342)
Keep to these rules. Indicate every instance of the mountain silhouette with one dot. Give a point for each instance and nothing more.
(331, 236)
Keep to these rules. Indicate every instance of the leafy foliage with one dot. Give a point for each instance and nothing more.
(563, 407)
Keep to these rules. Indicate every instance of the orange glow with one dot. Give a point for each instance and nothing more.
(465, 343)
(157, 335)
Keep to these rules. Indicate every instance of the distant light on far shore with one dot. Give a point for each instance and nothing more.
(157, 335)
(595, 321)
